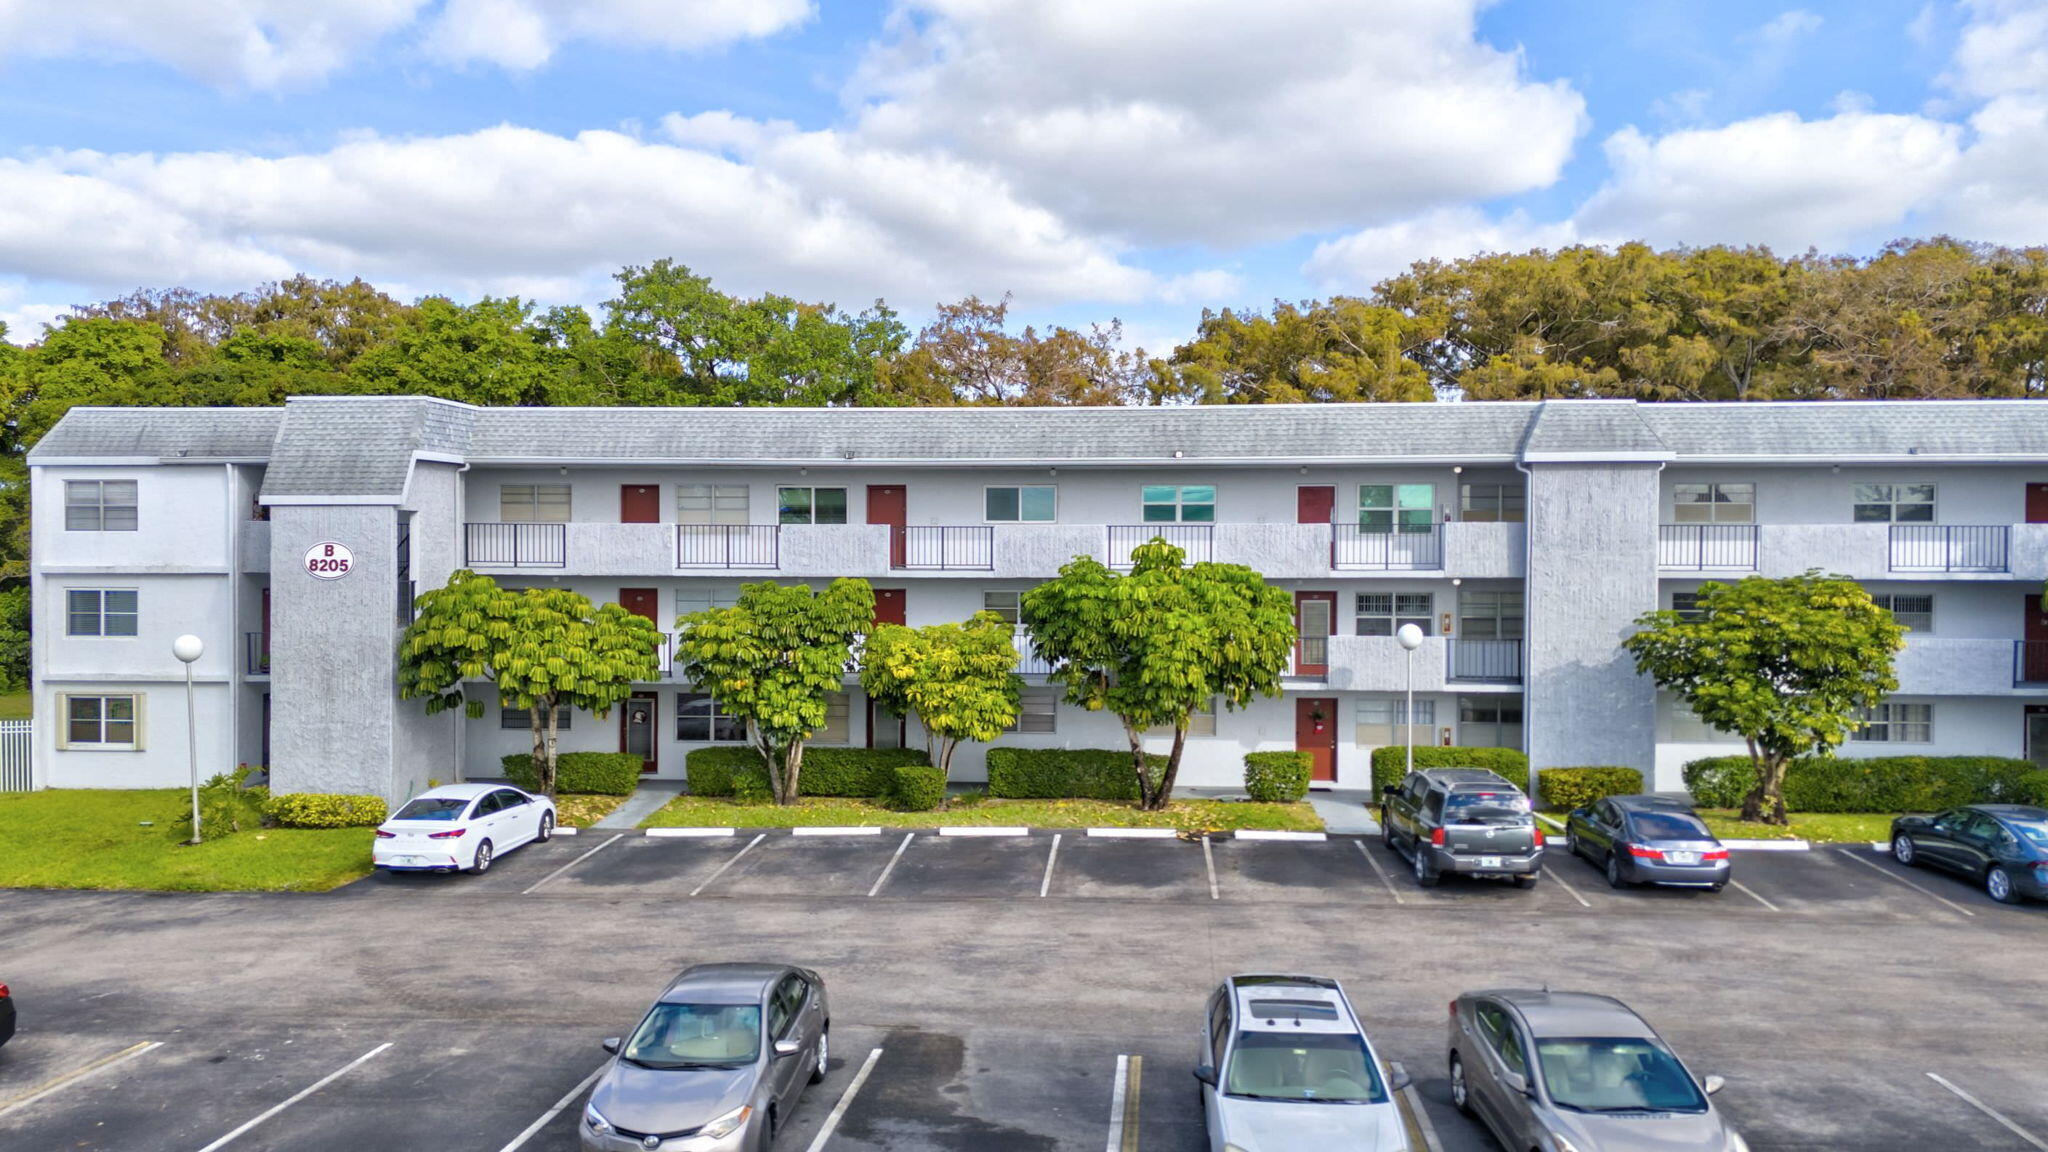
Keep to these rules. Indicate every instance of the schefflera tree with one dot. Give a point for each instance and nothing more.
(960, 680)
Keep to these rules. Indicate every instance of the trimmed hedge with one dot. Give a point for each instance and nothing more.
(1569, 788)
(916, 787)
(1389, 763)
(587, 773)
(1065, 773)
(868, 773)
(1277, 777)
(1877, 784)
(325, 810)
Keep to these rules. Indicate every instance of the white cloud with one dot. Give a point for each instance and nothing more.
(1356, 262)
(2003, 49)
(259, 43)
(1243, 123)
(23, 317)
(523, 34)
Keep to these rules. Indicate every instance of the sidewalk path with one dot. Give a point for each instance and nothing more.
(644, 802)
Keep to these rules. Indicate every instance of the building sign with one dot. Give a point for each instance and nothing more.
(328, 560)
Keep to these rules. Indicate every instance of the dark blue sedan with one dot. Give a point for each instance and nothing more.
(2001, 846)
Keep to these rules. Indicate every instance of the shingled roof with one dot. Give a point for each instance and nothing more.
(208, 434)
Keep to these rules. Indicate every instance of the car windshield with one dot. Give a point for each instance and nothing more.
(696, 1036)
(1484, 806)
(1670, 826)
(433, 808)
(1323, 1067)
(2036, 832)
(1628, 1074)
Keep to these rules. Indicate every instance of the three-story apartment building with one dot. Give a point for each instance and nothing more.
(1523, 538)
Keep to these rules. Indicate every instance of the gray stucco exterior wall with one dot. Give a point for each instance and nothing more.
(1592, 570)
(427, 748)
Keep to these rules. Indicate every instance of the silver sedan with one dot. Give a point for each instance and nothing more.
(716, 1064)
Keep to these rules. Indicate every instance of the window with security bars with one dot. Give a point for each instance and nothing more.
(521, 719)
(700, 720)
(1379, 721)
(1897, 724)
(1493, 503)
(1913, 610)
(1894, 504)
(1037, 710)
(100, 506)
(711, 503)
(1383, 613)
(1490, 721)
(108, 721)
(533, 503)
(1406, 508)
(100, 612)
(1713, 503)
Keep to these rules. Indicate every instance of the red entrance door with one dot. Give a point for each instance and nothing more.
(636, 729)
(889, 504)
(2033, 659)
(1314, 504)
(640, 504)
(889, 606)
(1315, 613)
(1315, 732)
(640, 602)
(2037, 503)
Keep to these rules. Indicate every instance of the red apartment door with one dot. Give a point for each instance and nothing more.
(636, 729)
(889, 606)
(640, 504)
(1314, 504)
(2034, 631)
(2037, 503)
(640, 602)
(1315, 614)
(889, 504)
(1315, 732)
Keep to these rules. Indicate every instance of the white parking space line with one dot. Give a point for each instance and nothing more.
(77, 1074)
(301, 1094)
(1745, 890)
(547, 1117)
(1209, 858)
(1567, 887)
(984, 830)
(1123, 1104)
(729, 863)
(1988, 1110)
(693, 833)
(1881, 870)
(573, 863)
(891, 865)
(1413, 1099)
(1379, 871)
(1045, 885)
(845, 1101)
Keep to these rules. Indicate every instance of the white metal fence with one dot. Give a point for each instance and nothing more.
(17, 750)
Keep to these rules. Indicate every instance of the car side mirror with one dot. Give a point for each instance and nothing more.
(1390, 791)
(1399, 1080)
(610, 1044)
(1516, 1083)
(1713, 1084)
(787, 1048)
(1205, 1074)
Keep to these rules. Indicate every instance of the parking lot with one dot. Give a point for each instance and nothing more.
(1034, 991)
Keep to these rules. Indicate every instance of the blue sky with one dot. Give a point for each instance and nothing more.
(1141, 162)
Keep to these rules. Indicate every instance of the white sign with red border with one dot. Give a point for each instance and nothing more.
(328, 560)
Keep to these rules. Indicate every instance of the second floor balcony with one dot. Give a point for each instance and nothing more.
(1380, 664)
(1858, 551)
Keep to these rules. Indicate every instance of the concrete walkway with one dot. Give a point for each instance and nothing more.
(644, 802)
(1345, 811)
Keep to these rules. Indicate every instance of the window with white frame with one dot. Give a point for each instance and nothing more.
(838, 727)
(1037, 710)
(1484, 503)
(1396, 507)
(100, 612)
(1180, 504)
(810, 505)
(1378, 721)
(1713, 503)
(1201, 722)
(1031, 503)
(689, 600)
(700, 720)
(1688, 728)
(887, 730)
(1004, 602)
(1894, 504)
(1490, 614)
(1891, 723)
(711, 503)
(100, 506)
(111, 722)
(1490, 721)
(1913, 610)
(533, 503)
(1383, 613)
(522, 718)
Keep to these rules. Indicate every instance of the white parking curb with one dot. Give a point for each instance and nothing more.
(705, 833)
(835, 831)
(1767, 845)
(1136, 833)
(1261, 834)
(981, 830)
(560, 831)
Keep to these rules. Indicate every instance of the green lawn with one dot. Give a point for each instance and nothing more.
(1217, 815)
(1828, 827)
(15, 705)
(92, 838)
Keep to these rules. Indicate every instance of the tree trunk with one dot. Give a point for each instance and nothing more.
(792, 765)
(541, 776)
(548, 776)
(1137, 740)
(1765, 803)
(1164, 795)
(944, 760)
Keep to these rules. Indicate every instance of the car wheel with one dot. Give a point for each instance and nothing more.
(1461, 1092)
(1387, 836)
(1903, 851)
(547, 827)
(1998, 885)
(1425, 873)
(482, 863)
(1571, 842)
(1528, 881)
(1614, 877)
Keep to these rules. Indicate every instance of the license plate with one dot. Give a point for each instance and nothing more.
(405, 859)
(1682, 857)
(1489, 861)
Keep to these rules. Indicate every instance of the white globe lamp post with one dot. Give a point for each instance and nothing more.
(188, 648)
(1411, 638)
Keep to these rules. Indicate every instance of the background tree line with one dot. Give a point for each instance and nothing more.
(1934, 318)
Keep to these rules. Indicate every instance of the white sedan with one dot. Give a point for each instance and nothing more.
(461, 827)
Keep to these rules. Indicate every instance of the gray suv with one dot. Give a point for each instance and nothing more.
(1466, 821)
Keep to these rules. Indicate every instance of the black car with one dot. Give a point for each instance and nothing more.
(1464, 821)
(2002, 846)
(6, 1014)
(1648, 840)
